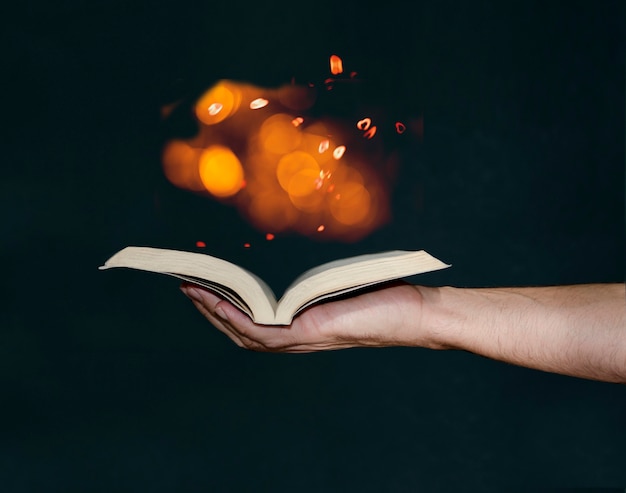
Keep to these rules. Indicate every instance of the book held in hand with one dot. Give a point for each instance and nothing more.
(253, 296)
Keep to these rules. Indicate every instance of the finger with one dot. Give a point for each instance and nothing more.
(219, 325)
(261, 337)
(302, 336)
(238, 325)
(205, 304)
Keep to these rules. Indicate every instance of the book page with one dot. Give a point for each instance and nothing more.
(218, 289)
(253, 292)
(345, 275)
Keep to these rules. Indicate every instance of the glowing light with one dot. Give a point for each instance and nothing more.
(220, 171)
(339, 151)
(354, 204)
(180, 165)
(297, 177)
(278, 135)
(215, 108)
(296, 98)
(400, 127)
(302, 183)
(353, 75)
(364, 124)
(296, 163)
(270, 209)
(336, 65)
(370, 133)
(226, 97)
(258, 103)
(319, 181)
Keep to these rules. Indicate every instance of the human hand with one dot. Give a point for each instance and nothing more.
(385, 316)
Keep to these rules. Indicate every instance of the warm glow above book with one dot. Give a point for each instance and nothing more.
(253, 296)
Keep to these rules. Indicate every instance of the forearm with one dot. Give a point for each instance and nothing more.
(574, 330)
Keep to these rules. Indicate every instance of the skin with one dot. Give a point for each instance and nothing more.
(573, 330)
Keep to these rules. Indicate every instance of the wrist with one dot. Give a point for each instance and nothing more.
(440, 322)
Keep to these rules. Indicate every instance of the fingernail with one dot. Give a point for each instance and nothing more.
(221, 313)
(191, 293)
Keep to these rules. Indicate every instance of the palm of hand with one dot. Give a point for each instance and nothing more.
(385, 316)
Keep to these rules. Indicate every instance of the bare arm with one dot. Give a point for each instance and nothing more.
(574, 330)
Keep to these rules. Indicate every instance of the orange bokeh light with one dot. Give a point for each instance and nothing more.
(353, 206)
(370, 133)
(284, 175)
(220, 171)
(218, 103)
(364, 124)
(258, 103)
(293, 164)
(336, 65)
(323, 147)
(339, 151)
(278, 135)
(271, 210)
(180, 165)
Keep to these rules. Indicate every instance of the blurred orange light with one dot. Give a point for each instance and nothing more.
(296, 98)
(220, 171)
(180, 165)
(364, 124)
(353, 206)
(370, 133)
(278, 135)
(218, 103)
(302, 183)
(215, 108)
(336, 65)
(258, 103)
(296, 176)
(338, 152)
(272, 210)
(296, 163)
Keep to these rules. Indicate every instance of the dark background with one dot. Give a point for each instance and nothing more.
(112, 381)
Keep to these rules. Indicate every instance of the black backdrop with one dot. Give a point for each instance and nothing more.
(111, 381)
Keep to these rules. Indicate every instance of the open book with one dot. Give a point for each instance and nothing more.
(253, 296)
